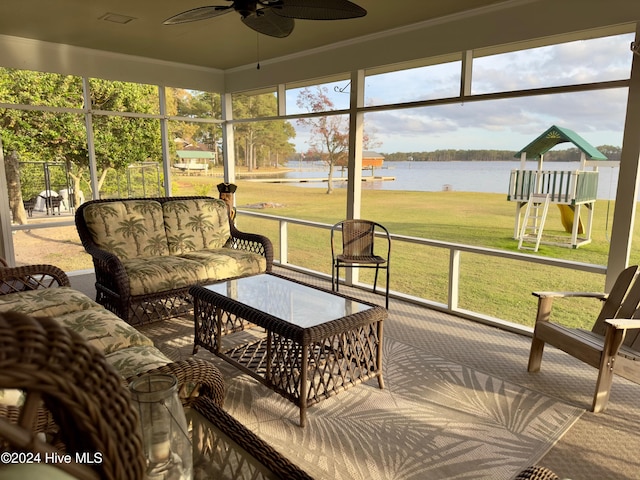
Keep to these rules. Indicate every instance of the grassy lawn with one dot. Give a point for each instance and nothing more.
(492, 286)
(488, 285)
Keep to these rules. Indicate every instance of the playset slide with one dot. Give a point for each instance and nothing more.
(566, 216)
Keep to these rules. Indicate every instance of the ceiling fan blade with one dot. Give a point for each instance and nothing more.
(265, 21)
(318, 9)
(200, 13)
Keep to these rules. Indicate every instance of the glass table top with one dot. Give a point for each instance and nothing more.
(290, 301)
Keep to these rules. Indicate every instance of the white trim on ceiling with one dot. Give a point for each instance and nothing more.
(30, 54)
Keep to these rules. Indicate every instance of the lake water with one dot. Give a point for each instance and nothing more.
(487, 177)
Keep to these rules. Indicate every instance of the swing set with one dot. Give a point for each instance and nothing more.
(572, 191)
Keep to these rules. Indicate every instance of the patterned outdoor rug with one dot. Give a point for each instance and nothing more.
(435, 419)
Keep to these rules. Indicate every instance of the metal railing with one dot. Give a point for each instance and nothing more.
(454, 251)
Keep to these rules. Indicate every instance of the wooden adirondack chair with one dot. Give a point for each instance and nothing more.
(613, 344)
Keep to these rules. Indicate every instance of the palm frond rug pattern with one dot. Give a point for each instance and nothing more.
(435, 419)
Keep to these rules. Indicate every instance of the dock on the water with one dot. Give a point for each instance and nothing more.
(318, 180)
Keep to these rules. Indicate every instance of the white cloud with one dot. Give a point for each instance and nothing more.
(596, 115)
(502, 124)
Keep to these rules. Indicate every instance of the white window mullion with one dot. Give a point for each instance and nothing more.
(88, 121)
(228, 142)
(627, 191)
(164, 140)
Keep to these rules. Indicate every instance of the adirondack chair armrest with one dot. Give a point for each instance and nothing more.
(545, 301)
(596, 295)
(624, 323)
(613, 340)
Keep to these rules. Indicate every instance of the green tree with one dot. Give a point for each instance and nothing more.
(329, 133)
(196, 105)
(122, 140)
(257, 142)
(35, 135)
(61, 137)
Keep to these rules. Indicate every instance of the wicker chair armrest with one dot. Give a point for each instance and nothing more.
(205, 376)
(108, 259)
(253, 242)
(109, 270)
(31, 277)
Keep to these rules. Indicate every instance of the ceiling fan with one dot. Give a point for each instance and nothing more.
(274, 17)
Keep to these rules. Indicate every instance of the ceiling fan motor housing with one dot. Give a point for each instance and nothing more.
(245, 7)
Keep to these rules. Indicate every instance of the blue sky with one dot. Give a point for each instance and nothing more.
(598, 116)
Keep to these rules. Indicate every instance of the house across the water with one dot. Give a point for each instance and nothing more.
(372, 160)
(194, 160)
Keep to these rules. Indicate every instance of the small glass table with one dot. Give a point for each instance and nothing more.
(224, 449)
(316, 343)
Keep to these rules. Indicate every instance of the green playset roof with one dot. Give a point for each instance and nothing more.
(555, 135)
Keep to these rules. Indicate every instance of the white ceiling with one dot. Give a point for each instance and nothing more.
(222, 42)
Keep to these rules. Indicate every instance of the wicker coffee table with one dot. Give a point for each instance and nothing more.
(315, 343)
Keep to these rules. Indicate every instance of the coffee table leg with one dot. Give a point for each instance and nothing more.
(303, 385)
(379, 355)
(218, 335)
(196, 322)
(268, 375)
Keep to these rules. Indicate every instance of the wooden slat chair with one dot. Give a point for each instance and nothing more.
(609, 346)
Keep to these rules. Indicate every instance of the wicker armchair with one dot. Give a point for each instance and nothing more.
(30, 277)
(195, 377)
(72, 396)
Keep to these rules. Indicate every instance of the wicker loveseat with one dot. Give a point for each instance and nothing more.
(147, 253)
(44, 291)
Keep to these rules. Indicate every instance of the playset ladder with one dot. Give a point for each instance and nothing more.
(533, 224)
